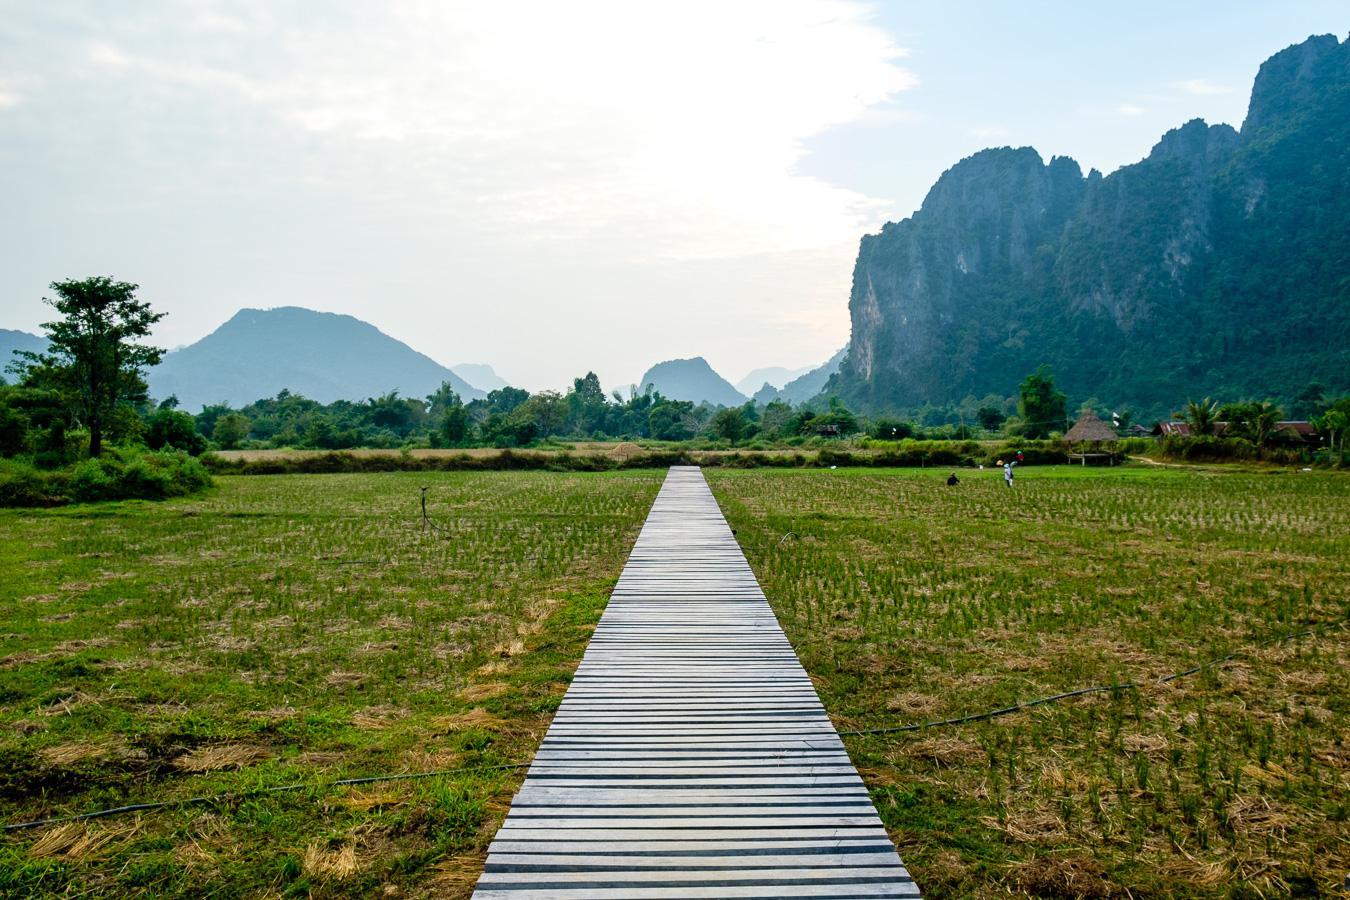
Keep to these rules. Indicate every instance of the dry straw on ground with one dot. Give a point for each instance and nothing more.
(230, 756)
(77, 842)
(336, 863)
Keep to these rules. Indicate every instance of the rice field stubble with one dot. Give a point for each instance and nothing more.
(909, 601)
(292, 630)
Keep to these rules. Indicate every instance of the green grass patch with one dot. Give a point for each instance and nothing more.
(292, 630)
(910, 601)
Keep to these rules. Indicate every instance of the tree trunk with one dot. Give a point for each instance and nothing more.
(95, 440)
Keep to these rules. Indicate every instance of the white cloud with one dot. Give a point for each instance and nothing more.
(682, 125)
(1127, 109)
(987, 133)
(535, 184)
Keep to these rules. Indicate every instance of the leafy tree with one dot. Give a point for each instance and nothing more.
(587, 409)
(840, 416)
(395, 413)
(1201, 416)
(455, 425)
(170, 428)
(322, 434)
(888, 429)
(729, 424)
(207, 418)
(990, 417)
(775, 413)
(588, 388)
(546, 410)
(509, 431)
(1042, 408)
(505, 400)
(443, 398)
(1335, 422)
(94, 360)
(670, 420)
(1255, 420)
(1309, 402)
(231, 430)
(170, 402)
(13, 431)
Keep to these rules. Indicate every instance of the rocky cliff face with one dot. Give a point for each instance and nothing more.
(1013, 262)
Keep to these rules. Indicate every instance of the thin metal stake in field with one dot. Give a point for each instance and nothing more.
(691, 756)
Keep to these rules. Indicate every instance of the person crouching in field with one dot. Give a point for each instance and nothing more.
(952, 479)
(1007, 470)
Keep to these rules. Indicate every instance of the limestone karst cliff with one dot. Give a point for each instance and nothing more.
(1219, 264)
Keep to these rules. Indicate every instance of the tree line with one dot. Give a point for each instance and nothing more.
(88, 391)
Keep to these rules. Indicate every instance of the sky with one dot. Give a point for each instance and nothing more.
(557, 187)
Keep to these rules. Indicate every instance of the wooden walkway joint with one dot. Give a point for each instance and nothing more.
(691, 756)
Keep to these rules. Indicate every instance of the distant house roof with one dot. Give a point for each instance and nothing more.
(1295, 430)
(1167, 429)
(1137, 430)
(1090, 428)
(1288, 431)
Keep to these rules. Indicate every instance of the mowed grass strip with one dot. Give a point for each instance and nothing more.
(292, 630)
(910, 601)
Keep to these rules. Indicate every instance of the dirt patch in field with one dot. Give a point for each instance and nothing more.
(1065, 878)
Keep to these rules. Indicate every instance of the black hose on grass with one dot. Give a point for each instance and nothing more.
(427, 519)
(198, 801)
(1008, 710)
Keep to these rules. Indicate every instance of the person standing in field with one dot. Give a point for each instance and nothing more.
(1007, 470)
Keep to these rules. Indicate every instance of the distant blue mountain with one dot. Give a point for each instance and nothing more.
(804, 387)
(774, 376)
(480, 376)
(322, 356)
(17, 340)
(691, 379)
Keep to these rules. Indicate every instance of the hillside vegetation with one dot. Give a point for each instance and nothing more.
(1218, 265)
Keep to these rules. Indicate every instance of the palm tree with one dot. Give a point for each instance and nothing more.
(1262, 418)
(1199, 416)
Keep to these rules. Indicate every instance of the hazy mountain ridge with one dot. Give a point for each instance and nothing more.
(481, 376)
(322, 356)
(803, 387)
(774, 376)
(691, 379)
(11, 340)
(1218, 264)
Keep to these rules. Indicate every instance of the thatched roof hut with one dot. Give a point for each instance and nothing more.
(1090, 428)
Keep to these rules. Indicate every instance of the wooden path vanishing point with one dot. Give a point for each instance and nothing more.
(691, 756)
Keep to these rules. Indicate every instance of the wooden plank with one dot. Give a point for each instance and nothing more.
(691, 756)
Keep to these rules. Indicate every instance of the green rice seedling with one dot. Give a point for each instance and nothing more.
(289, 632)
(978, 598)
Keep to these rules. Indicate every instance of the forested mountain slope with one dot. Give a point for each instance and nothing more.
(1219, 265)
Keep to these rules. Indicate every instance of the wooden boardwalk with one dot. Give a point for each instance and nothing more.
(691, 756)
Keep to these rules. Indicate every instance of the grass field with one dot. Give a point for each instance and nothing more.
(909, 601)
(299, 630)
(291, 630)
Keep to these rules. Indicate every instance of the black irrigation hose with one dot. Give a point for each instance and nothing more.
(322, 562)
(427, 519)
(198, 801)
(1008, 710)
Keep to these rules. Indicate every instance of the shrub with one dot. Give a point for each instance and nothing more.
(170, 428)
(134, 475)
(23, 485)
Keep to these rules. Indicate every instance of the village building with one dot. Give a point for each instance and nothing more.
(1087, 437)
